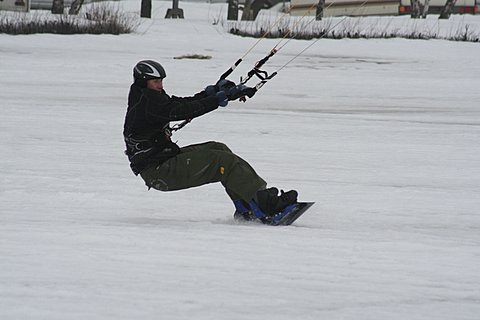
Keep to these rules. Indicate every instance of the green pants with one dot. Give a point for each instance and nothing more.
(204, 163)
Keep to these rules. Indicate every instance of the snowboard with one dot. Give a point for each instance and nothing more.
(290, 214)
(284, 218)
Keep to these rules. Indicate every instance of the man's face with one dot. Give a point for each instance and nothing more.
(155, 84)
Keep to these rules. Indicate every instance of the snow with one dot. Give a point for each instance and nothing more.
(382, 134)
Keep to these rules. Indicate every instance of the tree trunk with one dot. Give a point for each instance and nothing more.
(232, 10)
(415, 9)
(247, 11)
(425, 9)
(320, 8)
(146, 9)
(447, 9)
(76, 6)
(58, 6)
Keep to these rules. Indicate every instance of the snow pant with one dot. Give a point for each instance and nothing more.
(205, 163)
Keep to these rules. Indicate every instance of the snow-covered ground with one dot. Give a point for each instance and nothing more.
(382, 134)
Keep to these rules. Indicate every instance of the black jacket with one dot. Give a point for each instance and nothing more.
(146, 129)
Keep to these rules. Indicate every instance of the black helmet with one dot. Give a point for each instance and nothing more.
(147, 70)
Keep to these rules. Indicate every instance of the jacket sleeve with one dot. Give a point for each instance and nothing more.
(197, 96)
(160, 107)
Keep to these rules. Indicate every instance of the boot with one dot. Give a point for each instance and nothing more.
(242, 211)
(271, 203)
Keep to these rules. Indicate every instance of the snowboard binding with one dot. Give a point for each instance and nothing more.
(271, 208)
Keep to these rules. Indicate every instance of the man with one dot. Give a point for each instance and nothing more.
(165, 166)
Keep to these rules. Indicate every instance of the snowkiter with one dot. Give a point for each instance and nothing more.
(165, 166)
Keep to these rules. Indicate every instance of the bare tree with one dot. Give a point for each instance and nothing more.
(146, 9)
(247, 11)
(76, 6)
(320, 8)
(425, 9)
(415, 9)
(447, 9)
(58, 6)
(232, 10)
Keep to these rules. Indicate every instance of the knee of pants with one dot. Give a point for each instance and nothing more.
(155, 182)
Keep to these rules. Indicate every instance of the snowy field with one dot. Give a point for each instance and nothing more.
(383, 134)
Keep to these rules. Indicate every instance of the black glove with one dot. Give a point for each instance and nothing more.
(221, 98)
(224, 85)
(221, 85)
(240, 91)
(210, 90)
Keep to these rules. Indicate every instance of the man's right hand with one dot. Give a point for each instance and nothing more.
(224, 85)
(221, 85)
